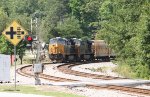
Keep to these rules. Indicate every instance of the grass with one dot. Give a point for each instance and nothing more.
(125, 71)
(100, 69)
(33, 90)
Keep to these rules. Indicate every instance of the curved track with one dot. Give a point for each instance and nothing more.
(27, 71)
(66, 68)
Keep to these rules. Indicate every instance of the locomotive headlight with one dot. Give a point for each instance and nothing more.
(56, 45)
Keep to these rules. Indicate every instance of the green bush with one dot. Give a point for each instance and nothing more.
(132, 69)
(142, 71)
(125, 71)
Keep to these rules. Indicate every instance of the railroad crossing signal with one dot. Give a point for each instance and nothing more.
(14, 33)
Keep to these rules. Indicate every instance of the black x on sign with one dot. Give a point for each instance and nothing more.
(11, 33)
(14, 33)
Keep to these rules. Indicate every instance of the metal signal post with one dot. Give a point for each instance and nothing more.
(15, 65)
(36, 74)
(38, 42)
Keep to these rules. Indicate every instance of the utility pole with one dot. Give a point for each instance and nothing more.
(31, 25)
(36, 74)
(38, 42)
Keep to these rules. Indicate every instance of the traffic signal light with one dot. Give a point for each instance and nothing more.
(29, 41)
(29, 38)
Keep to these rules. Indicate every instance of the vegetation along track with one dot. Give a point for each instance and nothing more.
(27, 71)
(66, 68)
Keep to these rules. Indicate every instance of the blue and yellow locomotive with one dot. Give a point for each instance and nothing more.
(72, 50)
(61, 50)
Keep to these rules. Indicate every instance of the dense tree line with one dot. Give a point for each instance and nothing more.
(124, 24)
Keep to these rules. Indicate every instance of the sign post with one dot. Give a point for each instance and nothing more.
(14, 33)
(15, 65)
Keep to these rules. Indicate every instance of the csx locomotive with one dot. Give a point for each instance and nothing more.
(72, 50)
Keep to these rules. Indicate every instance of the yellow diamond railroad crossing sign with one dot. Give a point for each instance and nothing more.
(14, 33)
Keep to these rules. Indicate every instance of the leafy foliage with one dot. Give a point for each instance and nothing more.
(124, 24)
(69, 28)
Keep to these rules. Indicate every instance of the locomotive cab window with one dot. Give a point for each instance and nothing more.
(61, 41)
(53, 41)
(77, 42)
(58, 41)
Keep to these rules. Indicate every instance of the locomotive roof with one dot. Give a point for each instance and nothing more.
(100, 42)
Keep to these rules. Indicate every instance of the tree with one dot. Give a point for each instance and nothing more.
(69, 28)
(87, 12)
(3, 19)
(124, 24)
(3, 44)
(55, 11)
(21, 49)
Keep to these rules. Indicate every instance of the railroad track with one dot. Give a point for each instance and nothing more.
(27, 71)
(144, 92)
(66, 68)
